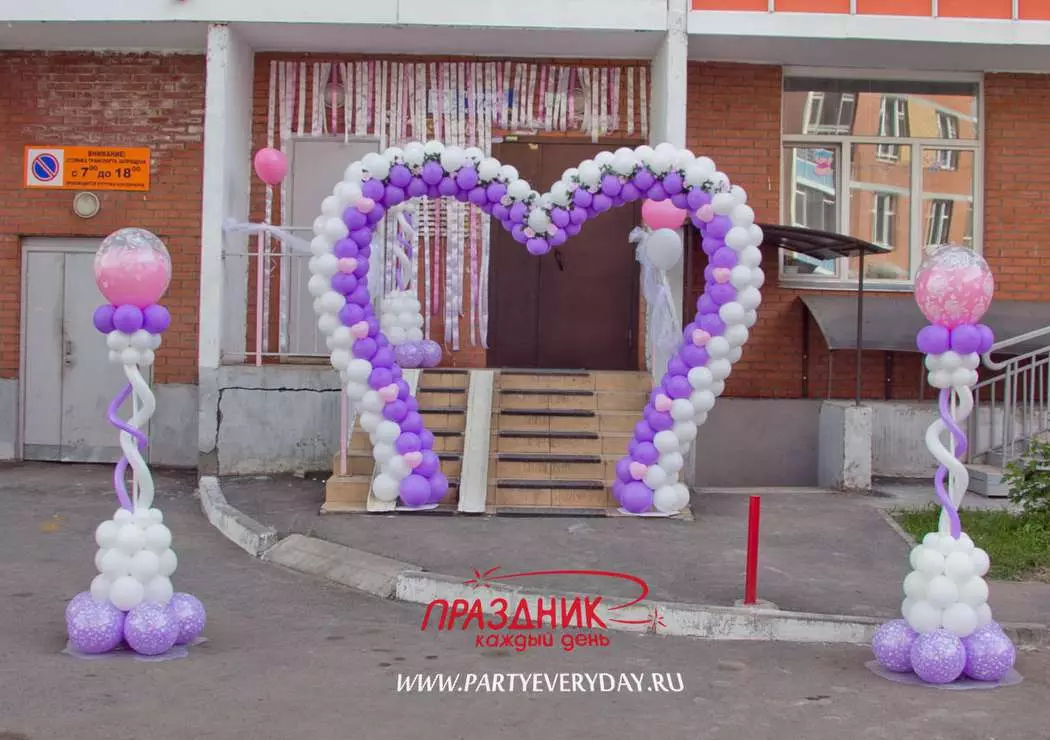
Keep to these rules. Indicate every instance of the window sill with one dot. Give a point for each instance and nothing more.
(870, 286)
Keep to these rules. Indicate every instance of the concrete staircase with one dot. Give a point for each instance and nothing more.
(556, 436)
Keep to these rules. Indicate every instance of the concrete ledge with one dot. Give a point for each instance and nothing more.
(236, 526)
(360, 570)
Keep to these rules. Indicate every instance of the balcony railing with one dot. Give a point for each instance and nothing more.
(965, 9)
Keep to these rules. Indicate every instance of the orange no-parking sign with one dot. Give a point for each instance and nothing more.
(87, 168)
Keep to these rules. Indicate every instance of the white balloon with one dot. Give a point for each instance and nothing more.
(106, 533)
(130, 356)
(114, 357)
(944, 544)
(168, 562)
(941, 591)
(488, 169)
(625, 164)
(971, 361)
(665, 500)
(158, 590)
(341, 338)
(452, 158)
(720, 369)
(348, 192)
(370, 421)
(388, 431)
(656, 476)
(383, 453)
(664, 248)
(326, 264)
(415, 152)
(518, 190)
(750, 257)
(924, 617)
(685, 431)
(749, 298)
(376, 164)
(414, 335)
(732, 313)
(682, 409)
(115, 563)
(723, 203)
(396, 335)
(126, 593)
(667, 149)
(332, 302)
(717, 347)
(589, 173)
(958, 566)
(433, 148)
(397, 468)
(758, 277)
(906, 606)
(473, 154)
(932, 362)
(318, 225)
(736, 335)
(328, 322)
(100, 587)
(913, 556)
(158, 537)
(99, 554)
(951, 360)
(539, 220)
(974, 592)
(121, 515)
(718, 387)
(700, 378)
(666, 441)
(356, 390)
(915, 585)
(672, 462)
(930, 562)
(984, 615)
(318, 285)
(340, 359)
(145, 565)
(372, 401)
(736, 238)
(644, 152)
(508, 173)
(570, 176)
(742, 215)
(118, 341)
(603, 158)
(750, 318)
(702, 401)
(385, 488)
(683, 495)
(939, 379)
(130, 539)
(963, 377)
(659, 163)
(964, 543)
(960, 619)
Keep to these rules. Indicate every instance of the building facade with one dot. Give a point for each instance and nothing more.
(904, 123)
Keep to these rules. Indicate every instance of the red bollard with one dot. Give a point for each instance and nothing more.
(751, 576)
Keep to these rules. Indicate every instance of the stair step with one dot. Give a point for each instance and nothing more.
(542, 458)
(441, 410)
(545, 392)
(445, 456)
(545, 372)
(552, 434)
(441, 389)
(576, 413)
(576, 485)
(446, 433)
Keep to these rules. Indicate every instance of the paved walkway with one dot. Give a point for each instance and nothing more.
(820, 552)
(292, 657)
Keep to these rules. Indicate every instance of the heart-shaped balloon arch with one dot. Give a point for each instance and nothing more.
(648, 476)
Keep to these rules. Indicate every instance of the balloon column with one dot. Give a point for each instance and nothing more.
(132, 600)
(947, 630)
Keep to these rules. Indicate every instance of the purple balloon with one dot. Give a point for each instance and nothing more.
(611, 185)
(643, 180)
(384, 357)
(128, 318)
(393, 195)
(577, 216)
(987, 338)
(693, 356)
(560, 217)
(431, 353)
(712, 324)
(623, 468)
(190, 614)
(617, 490)
(721, 293)
(477, 197)
(892, 645)
(413, 422)
(678, 386)
(537, 246)
(376, 214)
(518, 211)
(573, 229)
(643, 432)
(718, 227)
(344, 282)
(360, 295)
(351, 313)
(373, 328)
(432, 173)
(675, 366)
(409, 354)
(601, 203)
(373, 189)
(656, 193)
(501, 213)
(467, 178)
(396, 410)
(156, 319)
(636, 497)
(711, 245)
(426, 436)
(495, 192)
(345, 248)
(78, 602)
(582, 198)
(673, 183)
(380, 378)
(966, 339)
(724, 257)
(429, 464)
(934, 339)
(938, 656)
(679, 200)
(630, 193)
(354, 219)
(438, 487)
(433, 192)
(558, 238)
(416, 188)
(400, 176)
(151, 629)
(103, 318)
(362, 237)
(698, 198)
(989, 654)
(415, 491)
(518, 233)
(704, 305)
(661, 421)
(365, 348)
(95, 627)
(646, 453)
(447, 187)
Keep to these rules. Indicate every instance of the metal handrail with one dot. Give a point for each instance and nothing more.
(998, 347)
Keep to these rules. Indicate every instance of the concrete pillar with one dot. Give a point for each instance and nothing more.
(844, 451)
(225, 194)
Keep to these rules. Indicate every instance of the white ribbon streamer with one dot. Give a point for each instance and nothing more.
(144, 404)
(232, 225)
(665, 328)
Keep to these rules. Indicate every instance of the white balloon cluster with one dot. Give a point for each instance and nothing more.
(134, 560)
(945, 588)
(952, 370)
(137, 348)
(401, 318)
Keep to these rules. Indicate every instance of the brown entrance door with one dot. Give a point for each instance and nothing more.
(575, 307)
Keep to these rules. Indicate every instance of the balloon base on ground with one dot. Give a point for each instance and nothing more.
(960, 684)
(649, 514)
(424, 507)
(123, 652)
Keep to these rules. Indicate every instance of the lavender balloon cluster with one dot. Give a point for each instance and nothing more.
(97, 626)
(941, 656)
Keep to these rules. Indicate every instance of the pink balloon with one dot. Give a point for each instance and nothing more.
(270, 165)
(954, 286)
(132, 267)
(662, 215)
(365, 205)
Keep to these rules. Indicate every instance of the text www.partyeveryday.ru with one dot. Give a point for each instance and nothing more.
(540, 683)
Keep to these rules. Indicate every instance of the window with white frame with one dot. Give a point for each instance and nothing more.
(889, 161)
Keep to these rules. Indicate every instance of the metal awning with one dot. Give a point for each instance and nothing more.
(891, 322)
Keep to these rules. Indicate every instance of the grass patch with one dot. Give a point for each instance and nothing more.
(1018, 545)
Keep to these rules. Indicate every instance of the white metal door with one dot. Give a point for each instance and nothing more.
(69, 381)
(316, 166)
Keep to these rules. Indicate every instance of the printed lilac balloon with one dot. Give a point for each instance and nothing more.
(409, 354)
(190, 615)
(103, 318)
(128, 318)
(636, 497)
(989, 654)
(415, 490)
(151, 629)
(431, 353)
(77, 603)
(96, 627)
(892, 645)
(938, 656)
(933, 340)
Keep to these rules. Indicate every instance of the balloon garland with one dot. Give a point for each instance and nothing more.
(947, 630)
(132, 599)
(649, 476)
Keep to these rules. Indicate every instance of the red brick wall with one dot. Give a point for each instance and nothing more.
(127, 99)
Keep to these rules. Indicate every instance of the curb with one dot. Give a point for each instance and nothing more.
(248, 534)
(408, 583)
